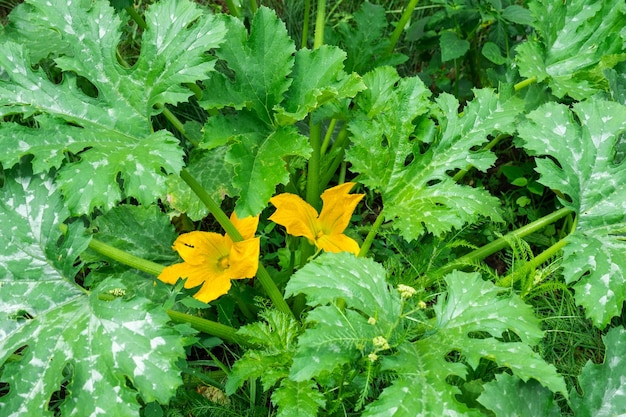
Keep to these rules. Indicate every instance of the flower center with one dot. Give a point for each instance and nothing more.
(223, 263)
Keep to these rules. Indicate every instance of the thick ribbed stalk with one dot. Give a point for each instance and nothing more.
(126, 258)
(371, 235)
(213, 328)
(313, 168)
(544, 256)
(406, 15)
(337, 149)
(319, 24)
(233, 8)
(525, 83)
(213, 207)
(498, 244)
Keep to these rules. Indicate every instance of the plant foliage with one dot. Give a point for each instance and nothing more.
(122, 127)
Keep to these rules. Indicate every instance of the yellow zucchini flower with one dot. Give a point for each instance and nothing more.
(326, 229)
(213, 260)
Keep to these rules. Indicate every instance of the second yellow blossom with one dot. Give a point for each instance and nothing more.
(326, 229)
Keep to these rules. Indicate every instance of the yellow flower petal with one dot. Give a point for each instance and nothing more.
(296, 215)
(172, 273)
(215, 282)
(213, 289)
(338, 208)
(244, 258)
(338, 243)
(196, 248)
(246, 226)
(212, 260)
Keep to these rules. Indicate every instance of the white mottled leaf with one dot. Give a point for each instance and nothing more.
(101, 109)
(577, 41)
(103, 352)
(411, 167)
(602, 385)
(582, 141)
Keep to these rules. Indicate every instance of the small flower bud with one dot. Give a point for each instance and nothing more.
(371, 321)
(381, 343)
(118, 292)
(406, 291)
(421, 304)
(372, 357)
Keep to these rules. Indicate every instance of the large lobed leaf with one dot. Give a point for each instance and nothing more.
(497, 398)
(578, 40)
(603, 385)
(583, 142)
(341, 336)
(100, 109)
(472, 319)
(59, 343)
(274, 341)
(301, 399)
(271, 86)
(364, 40)
(421, 388)
(473, 306)
(417, 190)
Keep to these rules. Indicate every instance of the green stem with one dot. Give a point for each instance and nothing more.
(272, 291)
(496, 245)
(319, 24)
(126, 258)
(233, 8)
(406, 15)
(213, 328)
(328, 136)
(136, 17)
(253, 6)
(175, 121)
(213, 207)
(312, 197)
(544, 256)
(313, 174)
(262, 275)
(459, 175)
(305, 24)
(341, 142)
(525, 83)
(371, 235)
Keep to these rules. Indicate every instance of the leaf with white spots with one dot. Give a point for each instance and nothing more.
(360, 282)
(339, 335)
(603, 386)
(88, 351)
(302, 399)
(583, 142)
(266, 87)
(507, 396)
(474, 316)
(577, 41)
(420, 388)
(473, 321)
(101, 109)
(410, 166)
